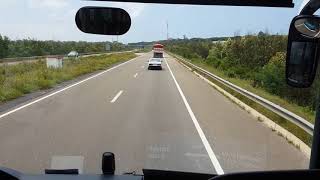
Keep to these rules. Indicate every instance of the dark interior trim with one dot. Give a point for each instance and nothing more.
(261, 3)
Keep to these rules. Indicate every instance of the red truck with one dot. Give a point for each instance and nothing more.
(157, 51)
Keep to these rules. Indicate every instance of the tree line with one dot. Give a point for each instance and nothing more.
(259, 58)
(32, 47)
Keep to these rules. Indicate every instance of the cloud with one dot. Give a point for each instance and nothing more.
(48, 3)
(7, 4)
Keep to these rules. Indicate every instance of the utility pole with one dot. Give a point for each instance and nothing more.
(167, 30)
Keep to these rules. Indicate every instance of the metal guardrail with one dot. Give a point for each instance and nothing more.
(299, 121)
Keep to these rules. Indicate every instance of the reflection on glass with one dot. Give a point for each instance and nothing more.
(158, 55)
(302, 62)
(308, 26)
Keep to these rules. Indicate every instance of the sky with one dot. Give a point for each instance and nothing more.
(54, 20)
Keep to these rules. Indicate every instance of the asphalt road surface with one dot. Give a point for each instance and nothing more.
(168, 119)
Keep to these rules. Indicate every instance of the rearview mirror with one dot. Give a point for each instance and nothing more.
(302, 51)
(308, 26)
(102, 20)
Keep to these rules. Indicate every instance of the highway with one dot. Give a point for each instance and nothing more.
(168, 119)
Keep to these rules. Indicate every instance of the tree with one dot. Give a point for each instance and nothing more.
(4, 46)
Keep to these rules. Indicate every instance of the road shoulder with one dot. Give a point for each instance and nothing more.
(241, 142)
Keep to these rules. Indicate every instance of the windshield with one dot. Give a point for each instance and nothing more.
(67, 96)
(155, 60)
(158, 55)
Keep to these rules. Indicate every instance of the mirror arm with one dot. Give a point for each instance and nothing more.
(310, 8)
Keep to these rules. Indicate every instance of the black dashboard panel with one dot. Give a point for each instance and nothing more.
(9, 174)
(264, 3)
(79, 177)
(272, 175)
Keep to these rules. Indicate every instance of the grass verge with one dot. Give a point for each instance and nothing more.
(146, 50)
(294, 129)
(20, 79)
(304, 112)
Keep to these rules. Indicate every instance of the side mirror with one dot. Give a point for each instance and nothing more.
(102, 20)
(302, 51)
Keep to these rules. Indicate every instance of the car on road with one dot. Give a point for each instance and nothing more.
(73, 54)
(155, 63)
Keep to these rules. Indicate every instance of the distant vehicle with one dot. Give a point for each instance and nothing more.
(73, 54)
(157, 51)
(155, 63)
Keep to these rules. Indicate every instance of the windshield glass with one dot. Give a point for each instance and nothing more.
(158, 55)
(67, 96)
(155, 60)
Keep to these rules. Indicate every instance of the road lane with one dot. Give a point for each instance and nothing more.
(158, 129)
(204, 140)
(241, 142)
(148, 126)
(67, 123)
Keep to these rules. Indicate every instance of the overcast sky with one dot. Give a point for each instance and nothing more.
(54, 20)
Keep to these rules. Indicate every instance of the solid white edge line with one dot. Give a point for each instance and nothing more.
(117, 96)
(204, 140)
(66, 88)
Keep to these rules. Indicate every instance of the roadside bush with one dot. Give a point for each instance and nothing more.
(259, 58)
(8, 93)
(272, 76)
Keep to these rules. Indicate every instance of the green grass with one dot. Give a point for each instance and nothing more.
(304, 112)
(294, 129)
(145, 50)
(20, 79)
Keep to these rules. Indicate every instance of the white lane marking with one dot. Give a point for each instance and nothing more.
(205, 142)
(66, 88)
(135, 76)
(116, 97)
(142, 66)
